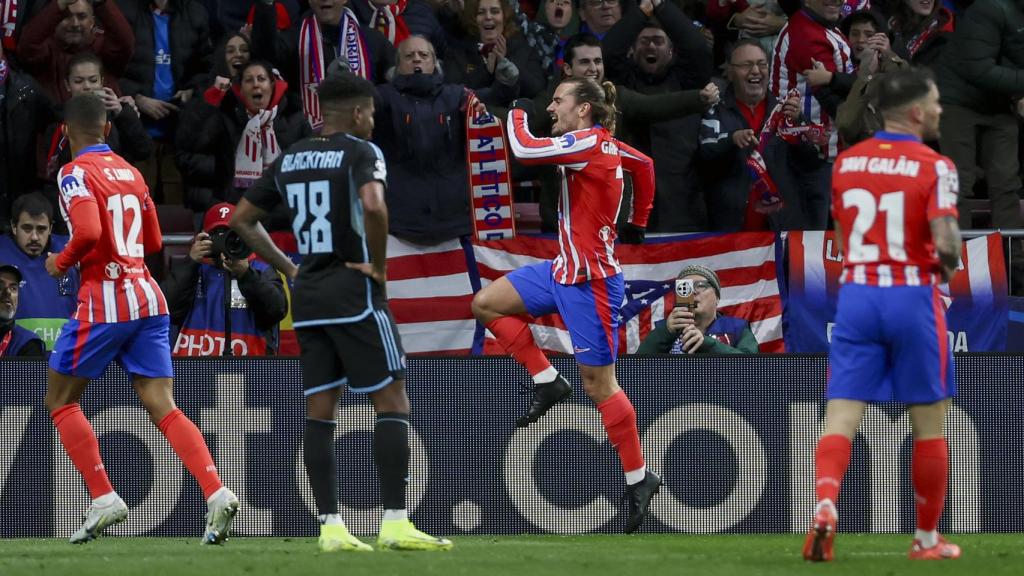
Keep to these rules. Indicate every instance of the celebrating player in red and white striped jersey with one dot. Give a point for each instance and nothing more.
(584, 283)
(591, 164)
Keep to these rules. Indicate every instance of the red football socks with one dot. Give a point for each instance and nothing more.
(831, 458)
(929, 475)
(513, 333)
(619, 419)
(81, 445)
(188, 443)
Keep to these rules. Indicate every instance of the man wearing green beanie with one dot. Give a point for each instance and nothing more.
(700, 330)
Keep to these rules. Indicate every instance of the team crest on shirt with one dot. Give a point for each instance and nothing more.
(113, 270)
(568, 141)
(73, 184)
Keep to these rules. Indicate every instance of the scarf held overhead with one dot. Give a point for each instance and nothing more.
(351, 49)
(490, 182)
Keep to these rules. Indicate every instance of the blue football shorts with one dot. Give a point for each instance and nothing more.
(142, 347)
(590, 310)
(890, 344)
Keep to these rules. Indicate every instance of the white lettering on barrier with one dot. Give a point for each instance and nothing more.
(70, 501)
(361, 418)
(885, 438)
(13, 423)
(519, 479)
(232, 419)
(750, 464)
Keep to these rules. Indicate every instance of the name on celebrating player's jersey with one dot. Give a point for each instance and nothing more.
(312, 160)
(891, 166)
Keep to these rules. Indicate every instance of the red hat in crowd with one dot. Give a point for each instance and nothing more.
(218, 216)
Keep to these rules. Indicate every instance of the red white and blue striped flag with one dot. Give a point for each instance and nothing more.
(430, 289)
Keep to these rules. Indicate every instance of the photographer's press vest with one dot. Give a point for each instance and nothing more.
(202, 332)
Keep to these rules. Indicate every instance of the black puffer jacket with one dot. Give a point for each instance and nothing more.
(421, 128)
(983, 66)
(189, 36)
(26, 112)
(464, 65)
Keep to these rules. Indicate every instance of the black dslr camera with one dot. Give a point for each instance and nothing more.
(227, 242)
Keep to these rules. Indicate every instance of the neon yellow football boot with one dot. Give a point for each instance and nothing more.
(402, 535)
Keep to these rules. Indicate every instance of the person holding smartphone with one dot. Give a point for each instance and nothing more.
(695, 326)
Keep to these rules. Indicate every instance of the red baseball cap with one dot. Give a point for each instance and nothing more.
(218, 216)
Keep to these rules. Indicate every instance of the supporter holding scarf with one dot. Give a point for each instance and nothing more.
(260, 91)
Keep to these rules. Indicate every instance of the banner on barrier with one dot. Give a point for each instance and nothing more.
(976, 301)
(733, 437)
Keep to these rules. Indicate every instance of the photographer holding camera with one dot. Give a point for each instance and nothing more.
(694, 326)
(209, 309)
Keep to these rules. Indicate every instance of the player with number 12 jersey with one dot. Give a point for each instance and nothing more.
(116, 285)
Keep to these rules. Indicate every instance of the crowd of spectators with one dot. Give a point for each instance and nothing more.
(743, 104)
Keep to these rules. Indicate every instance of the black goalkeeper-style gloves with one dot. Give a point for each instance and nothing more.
(632, 234)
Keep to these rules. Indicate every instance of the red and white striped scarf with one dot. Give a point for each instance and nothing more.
(257, 148)
(388, 20)
(490, 182)
(765, 197)
(351, 48)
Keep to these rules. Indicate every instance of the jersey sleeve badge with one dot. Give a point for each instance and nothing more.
(72, 184)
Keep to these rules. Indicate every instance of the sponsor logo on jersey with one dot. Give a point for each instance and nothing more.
(568, 141)
(113, 270)
(74, 184)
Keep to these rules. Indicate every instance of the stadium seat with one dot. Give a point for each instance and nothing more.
(175, 219)
(527, 216)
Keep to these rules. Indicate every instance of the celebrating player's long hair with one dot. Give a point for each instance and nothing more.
(601, 98)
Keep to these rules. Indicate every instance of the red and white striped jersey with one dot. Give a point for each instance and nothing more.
(590, 164)
(803, 39)
(113, 225)
(885, 192)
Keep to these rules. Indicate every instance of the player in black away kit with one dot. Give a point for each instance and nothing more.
(334, 187)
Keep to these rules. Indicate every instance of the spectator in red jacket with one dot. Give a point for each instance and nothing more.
(66, 27)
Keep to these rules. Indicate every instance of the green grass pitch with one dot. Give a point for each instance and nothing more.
(857, 554)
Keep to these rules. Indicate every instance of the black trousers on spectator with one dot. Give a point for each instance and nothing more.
(987, 141)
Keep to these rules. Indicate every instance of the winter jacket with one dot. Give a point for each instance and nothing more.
(207, 140)
(421, 128)
(983, 67)
(464, 65)
(26, 111)
(189, 37)
(723, 166)
(929, 45)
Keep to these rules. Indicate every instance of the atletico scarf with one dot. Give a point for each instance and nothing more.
(388, 20)
(351, 48)
(257, 148)
(490, 183)
(8, 21)
(764, 198)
